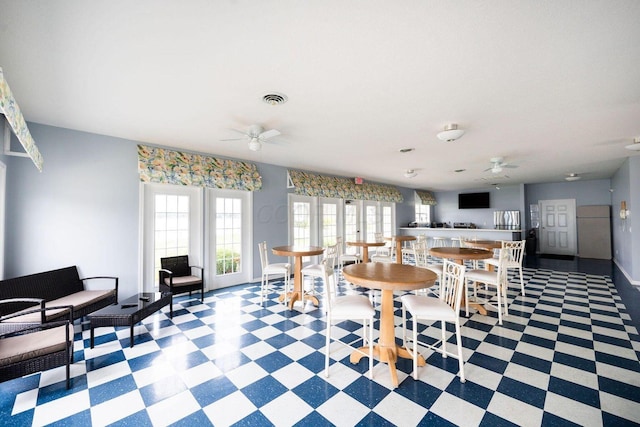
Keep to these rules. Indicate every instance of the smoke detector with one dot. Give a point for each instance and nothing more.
(275, 98)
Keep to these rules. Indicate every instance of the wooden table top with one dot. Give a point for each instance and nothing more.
(292, 250)
(387, 276)
(402, 238)
(460, 253)
(484, 244)
(364, 243)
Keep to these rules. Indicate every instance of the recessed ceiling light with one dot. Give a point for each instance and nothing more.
(410, 173)
(572, 177)
(406, 150)
(459, 170)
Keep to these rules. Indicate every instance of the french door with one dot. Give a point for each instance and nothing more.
(229, 238)
(172, 225)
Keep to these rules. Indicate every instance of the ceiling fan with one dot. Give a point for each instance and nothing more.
(498, 164)
(256, 135)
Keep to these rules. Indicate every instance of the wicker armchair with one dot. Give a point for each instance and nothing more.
(27, 348)
(176, 276)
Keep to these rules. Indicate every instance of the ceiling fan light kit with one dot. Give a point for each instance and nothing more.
(450, 133)
(635, 146)
(254, 144)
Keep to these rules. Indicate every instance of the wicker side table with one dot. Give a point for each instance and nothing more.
(129, 312)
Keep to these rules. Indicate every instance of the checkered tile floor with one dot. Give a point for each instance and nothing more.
(567, 354)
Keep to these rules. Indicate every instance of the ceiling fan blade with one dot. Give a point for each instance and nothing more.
(269, 134)
(509, 166)
(233, 139)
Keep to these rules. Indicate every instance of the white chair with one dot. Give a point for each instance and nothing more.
(344, 256)
(277, 269)
(316, 271)
(490, 278)
(385, 253)
(439, 241)
(409, 252)
(515, 254)
(347, 307)
(424, 261)
(445, 308)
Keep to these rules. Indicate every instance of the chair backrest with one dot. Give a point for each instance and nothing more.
(178, 265)
(264, 257)
(452, 284)
(514, 249)
(330, 285)
(420, 253)
(331, 255)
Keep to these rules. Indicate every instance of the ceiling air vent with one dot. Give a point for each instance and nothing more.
(274, 98)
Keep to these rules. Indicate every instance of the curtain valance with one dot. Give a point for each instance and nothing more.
(174, 167)
(426, 198)
(12, 113)
(309, 184)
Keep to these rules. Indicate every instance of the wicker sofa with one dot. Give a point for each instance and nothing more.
(61, 287)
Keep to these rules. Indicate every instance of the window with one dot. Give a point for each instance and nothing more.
(329, 223)
(228, 235)
(371, 220)
(171, 227)
(387, 221)
(351, 222)
(423, 213)
(301, 223)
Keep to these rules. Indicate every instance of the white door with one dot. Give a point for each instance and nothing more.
(172, 225)
(330, 213)
(352, 220)
(229, 233)
(372, 222)
(558, 227)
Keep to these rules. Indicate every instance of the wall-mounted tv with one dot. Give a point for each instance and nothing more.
(473, 201)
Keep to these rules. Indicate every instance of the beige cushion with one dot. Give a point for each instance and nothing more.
(36, 344)
(183, 281)
(77, 300)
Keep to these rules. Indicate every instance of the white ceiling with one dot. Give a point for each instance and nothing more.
(552, 86)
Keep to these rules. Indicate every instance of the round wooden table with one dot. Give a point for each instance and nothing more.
(460, 255)
(399, 242)
(388, 278)
(484, 244)
(297, 252)
(365, 247)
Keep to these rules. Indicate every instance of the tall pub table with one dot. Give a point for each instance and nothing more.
(365, 247)
(388, 277)
(399, 242)
(460, 255)
(297, 252)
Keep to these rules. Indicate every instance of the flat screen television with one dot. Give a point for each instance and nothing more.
(473, 201)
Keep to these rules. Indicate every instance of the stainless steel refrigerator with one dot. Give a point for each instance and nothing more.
(594, 231)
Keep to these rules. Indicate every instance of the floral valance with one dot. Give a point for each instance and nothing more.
(12, 113)
(426, 198)
(308, 184)
(174, 167)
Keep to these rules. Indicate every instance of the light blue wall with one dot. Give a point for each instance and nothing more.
(626, 233)
(508, 197)
(83, 209)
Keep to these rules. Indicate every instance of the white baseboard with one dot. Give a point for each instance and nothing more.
(629, 278)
